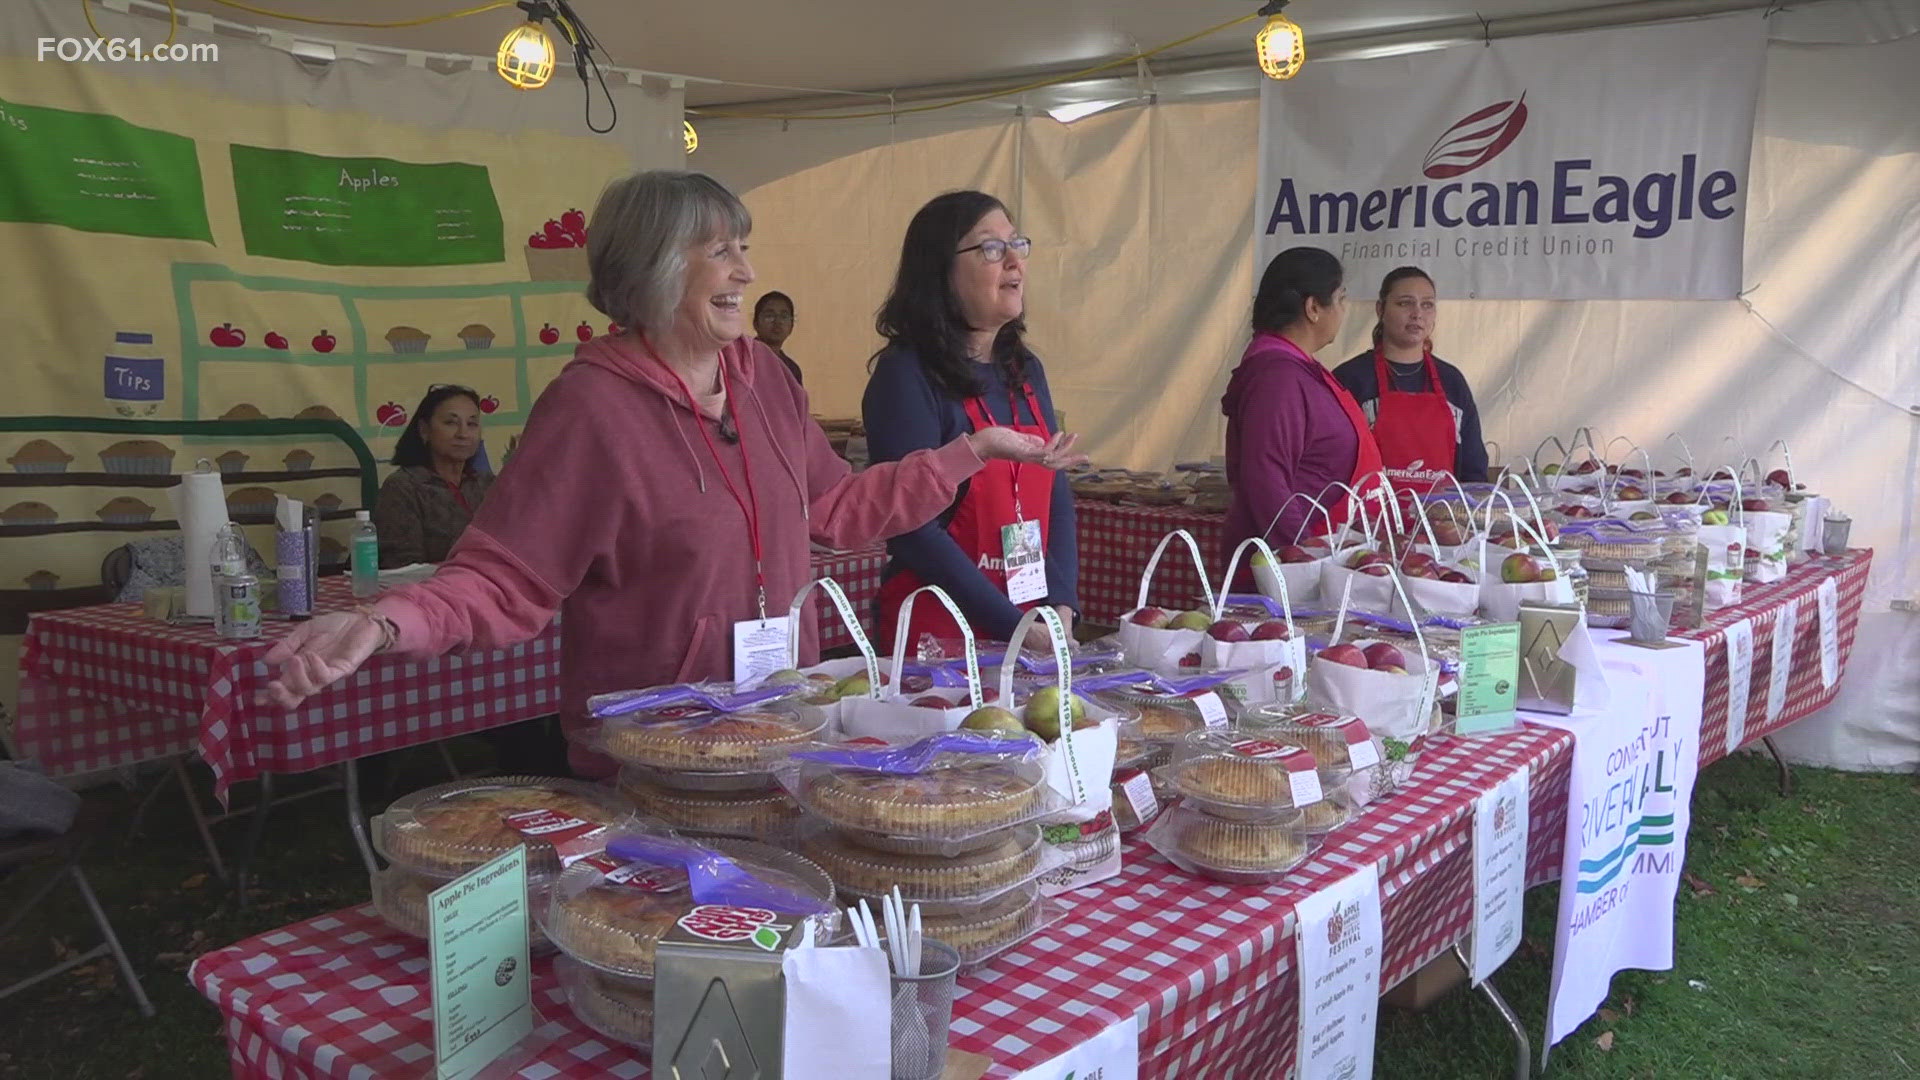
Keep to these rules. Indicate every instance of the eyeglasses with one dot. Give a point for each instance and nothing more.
(995, 250)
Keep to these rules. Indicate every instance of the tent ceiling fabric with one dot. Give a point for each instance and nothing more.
(812, 46)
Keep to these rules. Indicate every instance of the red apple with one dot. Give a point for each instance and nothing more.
(1780, 478)
(1349, 655)
(323, 342)
(392, 414)
(1638, 473)
(1519, 568)
(613, 329)
(1379, 569)
(1417, 560)
(1752, 505)
(1679, 498)
(542, 241)
(227, 336)
(1455, 577)
(548, 335)
(555, 234)
(1229, 631)
(1629, 493)
(275, 341)
(584, 332)
(1294, 553)
(931, 701)
(1156, 618)
(1381, 655)
(1448, 534)
(1548, 573)
(1271, 630)
(1587, 466)
(573, 220)
(1684, 470)
(489, 404)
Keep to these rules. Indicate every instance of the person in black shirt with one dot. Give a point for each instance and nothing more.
(772, 323)
(1420, 407)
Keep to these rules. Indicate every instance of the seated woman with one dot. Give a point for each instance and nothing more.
(426, 504)
(955, 362)
(773, 324)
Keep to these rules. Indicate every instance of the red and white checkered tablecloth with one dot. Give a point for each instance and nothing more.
(105, 686)
(858, 573)
(1208, 968)
(1116, 541)
(1805, 694)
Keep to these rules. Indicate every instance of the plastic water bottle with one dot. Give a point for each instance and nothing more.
(366, 556)
(236, 592)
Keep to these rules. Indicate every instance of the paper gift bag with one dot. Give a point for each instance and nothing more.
(1162, 649)
(837, 669)
(889, 714)
(1276, 665)
(1500, 600)
(1301, 579)
(1394, 705)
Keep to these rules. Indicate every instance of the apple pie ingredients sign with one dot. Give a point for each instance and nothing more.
(482, 988)
(98, 173)
(365, 211)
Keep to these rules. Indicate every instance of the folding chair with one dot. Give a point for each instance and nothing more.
(64, 853)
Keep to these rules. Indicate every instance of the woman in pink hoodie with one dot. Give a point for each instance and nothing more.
(665, 488)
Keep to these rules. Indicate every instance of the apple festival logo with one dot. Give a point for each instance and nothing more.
(1475, 139)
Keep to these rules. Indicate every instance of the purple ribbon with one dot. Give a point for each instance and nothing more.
(920, 757)
(714, 878)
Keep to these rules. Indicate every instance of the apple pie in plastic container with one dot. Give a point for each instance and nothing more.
(982, 932)
(1248, 776)
(449, 829)
(400, 899)
(764, 812)
(1016, 857)
(1239, 852)
(1352, 760)
(616, 1008)
(610, 911)
(944, 794)
(703, 728)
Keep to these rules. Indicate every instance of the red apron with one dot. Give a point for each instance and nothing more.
(997, 495)
(1415, 432)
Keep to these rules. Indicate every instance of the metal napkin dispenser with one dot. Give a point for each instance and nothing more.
(719, 998)
(1546, 681)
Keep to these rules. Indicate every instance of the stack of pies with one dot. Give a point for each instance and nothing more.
(1246, 814)
(1243, 776)
(619, 1009)
(701, 740)
(979, 932)
(952, 802)
(613, 921)
(449, 829)
(1236, 851)
(1012, 859)
(400, 899)
(765, 814)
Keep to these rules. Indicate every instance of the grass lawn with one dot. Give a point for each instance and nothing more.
(1799, 943)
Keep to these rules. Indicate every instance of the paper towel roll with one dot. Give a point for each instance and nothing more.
(200, 505)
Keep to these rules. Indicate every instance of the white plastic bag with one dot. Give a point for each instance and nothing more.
(1301, 580)
(1394, 705)
(1160, 649)
(1275, 667)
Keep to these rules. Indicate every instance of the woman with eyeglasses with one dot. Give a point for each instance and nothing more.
(773, 324)
(432, 496)
(1421, 408)
(955, 363)
(665, 490)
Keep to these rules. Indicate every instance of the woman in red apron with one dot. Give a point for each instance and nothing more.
(1420, 408)
(1291, 427)
(955, 364)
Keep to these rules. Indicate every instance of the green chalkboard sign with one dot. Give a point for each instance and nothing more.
(98, 173)
(365, 211)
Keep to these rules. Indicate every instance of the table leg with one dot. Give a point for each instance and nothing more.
(356, 820)
(255, 830)
(1786, 771)
(1523, 1049)
(199, 819)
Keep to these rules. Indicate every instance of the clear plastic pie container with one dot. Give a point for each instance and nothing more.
(1015, 858)
(614, 925)
(400, 899)
(750, 780)
(1239, 852)
(766, 814)
(616, 1008)
(1241, 775)
(980, 932)
(693, 738)
(949, 803)
(449, 829)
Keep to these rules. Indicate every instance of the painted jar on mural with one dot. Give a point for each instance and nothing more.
(135, 374)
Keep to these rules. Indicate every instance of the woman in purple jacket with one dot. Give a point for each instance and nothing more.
(1291, 428)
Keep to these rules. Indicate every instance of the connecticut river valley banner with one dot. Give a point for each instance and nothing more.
(1611, 164)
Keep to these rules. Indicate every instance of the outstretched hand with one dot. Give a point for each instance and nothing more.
(319, 653)
(1006, 444)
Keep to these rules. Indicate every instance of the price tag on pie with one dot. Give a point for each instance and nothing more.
(1138, 789)
(1828, 596)
(1212, 710)
(1361, 751)
(572, 838)
(1303, 773)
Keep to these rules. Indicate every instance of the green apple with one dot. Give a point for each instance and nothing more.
(855, 685)
(1042, 714)
(788, 677)
(1259, 558)
(1191, 620)
(1714, 517)
(993, 720)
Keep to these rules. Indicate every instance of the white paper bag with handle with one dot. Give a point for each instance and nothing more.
(837, 669)
(1726, 554)
(1767, 533)
(1161, 649)
(1341, 580)
(1394, 705)
(1080, 761)
(890, 715)
(1301, 580)
(1430, 594)
(1276, 665)
(1500, 600)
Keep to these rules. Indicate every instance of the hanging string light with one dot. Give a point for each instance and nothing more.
(526, 55)
(1280, 45)
(525, 58)
(691, 137)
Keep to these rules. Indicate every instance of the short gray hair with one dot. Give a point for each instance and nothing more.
(637, 241)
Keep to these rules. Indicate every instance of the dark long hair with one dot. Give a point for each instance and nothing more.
(760, 305)
(1394, 277)
(412, 447)
(922, 314)
(1291, 277)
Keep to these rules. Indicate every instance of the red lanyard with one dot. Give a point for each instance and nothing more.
(749, 506)
(1013, 416)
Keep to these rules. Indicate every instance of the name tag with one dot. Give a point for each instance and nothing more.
(1025, 560)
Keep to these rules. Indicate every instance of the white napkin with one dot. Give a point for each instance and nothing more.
(838, 1014)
